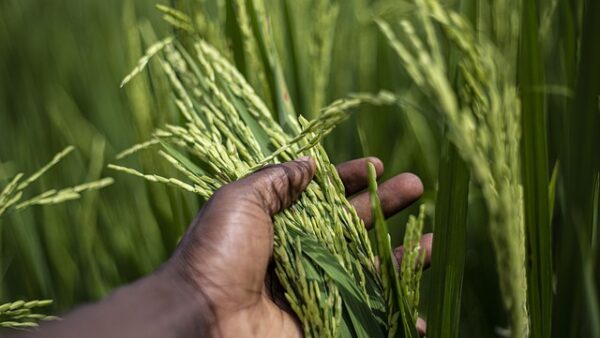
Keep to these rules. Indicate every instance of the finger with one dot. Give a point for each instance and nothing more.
(395, 194)
(425, 244)
(277, 186)
(354, 173)
(421, 327)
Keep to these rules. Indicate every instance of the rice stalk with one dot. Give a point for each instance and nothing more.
(252, 63)
(396, 291)
(483, 122)
(450, 245)
(12, 194)
(155, 48)
(20, 314)
(325, 13)
(411, 267)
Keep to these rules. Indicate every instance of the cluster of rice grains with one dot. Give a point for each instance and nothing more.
(483, 119)
(11, 196)
(322, 252)
(20, 314)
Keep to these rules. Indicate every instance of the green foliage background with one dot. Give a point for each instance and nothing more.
(61, 63)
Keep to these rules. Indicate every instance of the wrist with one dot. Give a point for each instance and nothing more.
(187, 307)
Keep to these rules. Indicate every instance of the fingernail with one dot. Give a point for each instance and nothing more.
(304, 159)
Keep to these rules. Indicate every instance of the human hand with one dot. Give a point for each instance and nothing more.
(226, 252)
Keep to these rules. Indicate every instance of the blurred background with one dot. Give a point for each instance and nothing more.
(61, 63)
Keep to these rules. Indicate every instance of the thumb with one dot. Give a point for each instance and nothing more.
(276, 187)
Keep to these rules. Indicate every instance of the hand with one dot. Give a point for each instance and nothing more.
(226, 251)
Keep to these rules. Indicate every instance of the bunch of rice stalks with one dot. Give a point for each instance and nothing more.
(482, 114)
(322, 253)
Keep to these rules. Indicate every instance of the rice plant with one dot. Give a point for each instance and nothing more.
(328, 272)
(483, 122)
(515, 248)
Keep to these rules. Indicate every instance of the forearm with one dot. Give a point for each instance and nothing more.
(160, 305)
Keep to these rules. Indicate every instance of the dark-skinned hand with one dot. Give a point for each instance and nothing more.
(227, 249)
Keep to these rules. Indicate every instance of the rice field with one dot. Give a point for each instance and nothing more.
(495, 105)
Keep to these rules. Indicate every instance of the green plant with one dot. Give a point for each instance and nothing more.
(61, 63)
(482, 116)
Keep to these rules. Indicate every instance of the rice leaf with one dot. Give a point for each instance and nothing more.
(589, 256)
(449, 246)
(450, 222)
(534, 159)
(187, 164)
(257, 131)
(363, 321)
(578, 126)
(399, 312)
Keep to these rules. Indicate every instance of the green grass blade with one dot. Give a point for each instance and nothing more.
(185, 162)
(579, 161)
(362, 318)
(261, 137)
(449, 246)
(534, 157)
(233, 32)
(589, 259)
(397, 306)
(587, 130)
